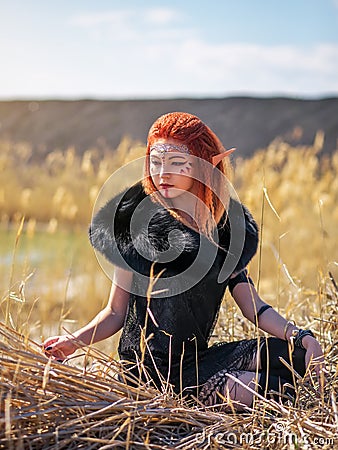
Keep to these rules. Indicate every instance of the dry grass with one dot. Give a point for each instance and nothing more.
(49, 405)
(60, 189)
(293, 194)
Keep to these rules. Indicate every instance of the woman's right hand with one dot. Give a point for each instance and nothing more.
(59, 347)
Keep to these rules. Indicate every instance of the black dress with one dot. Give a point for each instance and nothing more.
(177, 320)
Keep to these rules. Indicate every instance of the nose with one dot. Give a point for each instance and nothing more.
(164, 171)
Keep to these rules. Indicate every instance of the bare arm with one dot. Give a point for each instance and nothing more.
(249, 302)
(105, 324)
(110, 319)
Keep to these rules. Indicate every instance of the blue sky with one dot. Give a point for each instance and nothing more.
(160, 49)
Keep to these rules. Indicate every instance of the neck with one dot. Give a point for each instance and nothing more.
(185, 203)
(185, 206)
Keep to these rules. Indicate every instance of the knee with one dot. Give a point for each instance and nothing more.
(275, 349)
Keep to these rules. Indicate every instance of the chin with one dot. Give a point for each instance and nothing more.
(168, 195)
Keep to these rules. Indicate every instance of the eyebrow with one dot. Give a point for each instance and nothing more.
(177, 156)
(170, 157)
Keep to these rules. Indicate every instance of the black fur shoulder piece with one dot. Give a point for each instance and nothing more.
(132, 232)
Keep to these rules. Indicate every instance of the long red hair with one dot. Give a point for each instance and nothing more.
(203, 143)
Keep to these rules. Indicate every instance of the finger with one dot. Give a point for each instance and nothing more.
(50, 347)
(51, 339)
(54, 351)
(56, 354)
(45, 345)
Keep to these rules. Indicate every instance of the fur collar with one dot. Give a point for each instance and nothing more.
(132, 230)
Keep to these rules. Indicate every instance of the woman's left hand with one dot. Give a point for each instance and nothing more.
(314, 357)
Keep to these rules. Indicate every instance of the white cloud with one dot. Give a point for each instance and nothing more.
(128, 34)
(88, 20)
(161, 16)
(196, 67)
(320, 58)
(232, 65)
(139, 18)
(152, 53)
(133, 24)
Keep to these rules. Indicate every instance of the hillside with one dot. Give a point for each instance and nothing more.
(243, 122)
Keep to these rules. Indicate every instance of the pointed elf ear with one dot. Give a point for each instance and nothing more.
(217, 158)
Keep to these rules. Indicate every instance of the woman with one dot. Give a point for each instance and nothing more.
(178, 239)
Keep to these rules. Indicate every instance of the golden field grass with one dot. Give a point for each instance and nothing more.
(51, 281)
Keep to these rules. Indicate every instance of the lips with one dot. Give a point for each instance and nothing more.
(166, 186)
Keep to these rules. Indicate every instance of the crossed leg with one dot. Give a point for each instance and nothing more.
(263, 372)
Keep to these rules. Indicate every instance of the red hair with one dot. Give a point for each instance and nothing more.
(203, 143)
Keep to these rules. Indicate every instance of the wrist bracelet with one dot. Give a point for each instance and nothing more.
(299, 337)
(287, 325)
